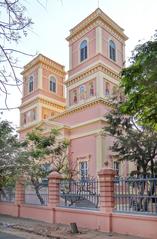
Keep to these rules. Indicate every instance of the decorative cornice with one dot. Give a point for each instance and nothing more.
(43, 100)
(98, 67)
(83, 106)
(28, 126)
(41, 59)
(97, 18)
(46, 102)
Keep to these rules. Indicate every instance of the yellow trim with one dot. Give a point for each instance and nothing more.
(40, 98)
(83, 106)
(98, 40)
(97, 18)
(99, 152)
(46, 61)
(88, 122)
(97, 67)
(40, 74)
(93, 132)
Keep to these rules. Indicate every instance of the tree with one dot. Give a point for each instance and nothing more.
(133, 143)
(8, 154)
(13, 26)
(40, 155)
(139, 82)
(137, 144)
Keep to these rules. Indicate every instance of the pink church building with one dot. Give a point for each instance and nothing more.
(96, 57)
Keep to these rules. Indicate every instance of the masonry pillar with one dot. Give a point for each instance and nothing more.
(54, 190)
(20, 193)
(106, 176)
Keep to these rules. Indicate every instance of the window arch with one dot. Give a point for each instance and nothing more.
(53, 84)
(83, 50)
(30, 84)
(112, 49)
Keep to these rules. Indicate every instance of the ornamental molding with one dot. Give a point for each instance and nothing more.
(97, 18)
(98, 67)
(84, 106)
(41, 59)
(43, 100)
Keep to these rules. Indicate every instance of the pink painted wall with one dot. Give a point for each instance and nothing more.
(83, 218)
(94, 59)
(130, 224)
(81, 148)
(34, 73)
(75, 92)
(86, 128)
(9, 209)
(137, 225)
(35, 212)
(105, 48)
(46, 74)
(89, 113)
(44, 93)
(91, 36)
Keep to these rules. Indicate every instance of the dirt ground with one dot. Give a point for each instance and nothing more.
(32, 229)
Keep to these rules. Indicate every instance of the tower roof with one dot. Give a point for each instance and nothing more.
(98, 16)
(45, 60)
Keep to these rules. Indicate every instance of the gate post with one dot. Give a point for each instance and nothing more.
(106, 176)
(53, 189)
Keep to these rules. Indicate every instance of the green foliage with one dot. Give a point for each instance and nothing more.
(133, 143)
(139, 82)
(8, 153)
(41, 154)
(39, 150)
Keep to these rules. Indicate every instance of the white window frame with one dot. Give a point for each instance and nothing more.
(109, 50)
(29, 81)
(79, 47)
(50, 79)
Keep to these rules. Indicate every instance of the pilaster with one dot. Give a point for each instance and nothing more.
(40, 77)
(98, 40)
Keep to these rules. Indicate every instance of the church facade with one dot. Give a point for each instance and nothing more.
(96, 57)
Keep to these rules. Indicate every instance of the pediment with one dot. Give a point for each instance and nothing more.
(47, 125)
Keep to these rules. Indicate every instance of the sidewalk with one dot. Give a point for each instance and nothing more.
(38, 229)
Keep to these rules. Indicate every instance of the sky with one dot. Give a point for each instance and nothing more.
(54, 18)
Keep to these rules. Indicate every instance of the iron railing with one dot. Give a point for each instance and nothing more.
(136, 195)
(36, 198)
(7, 195)
(32, 198)
(79, 194)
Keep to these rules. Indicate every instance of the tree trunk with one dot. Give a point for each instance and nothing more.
(36, 187)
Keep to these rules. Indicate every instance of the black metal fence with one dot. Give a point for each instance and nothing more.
(79, 194)
(7, 195)
(36, 198)
(136, 195)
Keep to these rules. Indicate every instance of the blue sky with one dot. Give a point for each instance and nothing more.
(53, 22)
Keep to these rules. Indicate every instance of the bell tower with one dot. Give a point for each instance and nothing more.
(43, 92)
(96, 56)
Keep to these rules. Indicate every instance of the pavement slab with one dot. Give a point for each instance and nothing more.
(32, 229)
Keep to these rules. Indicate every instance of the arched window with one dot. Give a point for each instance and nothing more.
(83, 50)
(112, 48)
(30, 84)
(52, 84)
